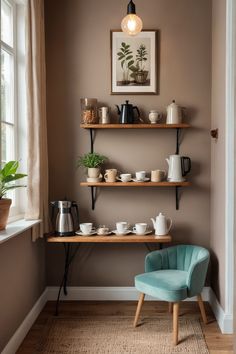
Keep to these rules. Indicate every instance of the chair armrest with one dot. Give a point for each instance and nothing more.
(197, 276)
(153, 261)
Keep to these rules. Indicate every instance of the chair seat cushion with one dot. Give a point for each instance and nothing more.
(168, 285)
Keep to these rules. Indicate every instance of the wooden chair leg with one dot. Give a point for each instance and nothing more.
(170, 307)
(202, 308)
(175, 322)
(140, 303)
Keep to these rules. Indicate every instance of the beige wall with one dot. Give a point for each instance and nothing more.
(78, 65)
(218, 149)
(22, 274)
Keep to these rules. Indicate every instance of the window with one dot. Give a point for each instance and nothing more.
(12, 129)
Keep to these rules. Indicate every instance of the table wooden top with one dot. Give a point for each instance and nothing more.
(111, 239)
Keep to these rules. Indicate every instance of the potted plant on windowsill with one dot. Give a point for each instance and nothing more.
(92, 161)
(7, 176)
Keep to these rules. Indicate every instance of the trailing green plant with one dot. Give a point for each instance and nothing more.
(8, 175)
(141, 56)
(91, 160)
(125, 56)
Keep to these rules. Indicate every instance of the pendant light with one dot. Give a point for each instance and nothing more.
(131, 24)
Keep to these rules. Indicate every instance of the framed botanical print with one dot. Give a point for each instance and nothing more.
(134, 63)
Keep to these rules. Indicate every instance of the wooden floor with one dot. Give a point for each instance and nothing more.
(217, 343)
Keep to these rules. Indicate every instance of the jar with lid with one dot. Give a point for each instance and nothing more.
(89, 110)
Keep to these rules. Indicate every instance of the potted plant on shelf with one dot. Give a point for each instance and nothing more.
(8, 174)
(92, 161)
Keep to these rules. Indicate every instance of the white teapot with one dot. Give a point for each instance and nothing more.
(160, 225)
(174, 113)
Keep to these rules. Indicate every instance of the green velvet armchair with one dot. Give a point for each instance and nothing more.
(174, 274)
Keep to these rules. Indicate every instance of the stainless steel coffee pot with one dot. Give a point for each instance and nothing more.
(66, 222)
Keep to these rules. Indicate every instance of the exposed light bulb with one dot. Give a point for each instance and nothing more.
(131, 24)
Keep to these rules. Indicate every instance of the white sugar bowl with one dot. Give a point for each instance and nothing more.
(154, 116)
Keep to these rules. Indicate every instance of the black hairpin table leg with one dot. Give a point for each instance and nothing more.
(157, 247)
(68, 259)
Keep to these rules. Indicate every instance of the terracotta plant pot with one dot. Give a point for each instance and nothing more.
(4, 212)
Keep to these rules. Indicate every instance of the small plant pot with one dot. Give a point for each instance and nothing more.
(4, 212)
(141, 77)
(94, 172)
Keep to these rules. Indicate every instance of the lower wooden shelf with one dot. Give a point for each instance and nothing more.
(135, 184)
(111, 239)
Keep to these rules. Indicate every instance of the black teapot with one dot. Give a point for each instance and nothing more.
(126, 113)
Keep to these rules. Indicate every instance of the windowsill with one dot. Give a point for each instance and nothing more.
(15, 228)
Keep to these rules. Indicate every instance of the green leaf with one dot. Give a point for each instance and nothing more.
(9, 168)
(14, 177)
(121, 57)
(130, 63)
(129, 57)
(133, 68)
(120, 53)
(122, 63)
(123, 44)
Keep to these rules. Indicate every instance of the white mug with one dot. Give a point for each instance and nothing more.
(140, 175)
(125, 177)
(140, 228)
(122, 226)
(86, 228)
(158, 175)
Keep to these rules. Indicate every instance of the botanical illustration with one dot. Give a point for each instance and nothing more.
(133, 65)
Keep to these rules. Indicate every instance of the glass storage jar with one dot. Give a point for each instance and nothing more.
(89, 110)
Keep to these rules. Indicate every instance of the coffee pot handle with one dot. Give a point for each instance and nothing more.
(74, 205)
(54, 206)
(183, 165)
(135, 107)
(170, 224)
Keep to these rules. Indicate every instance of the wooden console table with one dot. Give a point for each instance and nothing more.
(69, 255)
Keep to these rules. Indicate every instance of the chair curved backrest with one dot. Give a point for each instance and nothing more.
(189, 258)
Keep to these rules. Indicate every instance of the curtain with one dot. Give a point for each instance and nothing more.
(37, 184)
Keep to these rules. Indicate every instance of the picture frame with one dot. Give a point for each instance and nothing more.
(134, 63)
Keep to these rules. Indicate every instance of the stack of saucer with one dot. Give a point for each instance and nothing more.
(94, 179)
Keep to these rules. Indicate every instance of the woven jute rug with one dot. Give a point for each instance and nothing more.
(116, 335)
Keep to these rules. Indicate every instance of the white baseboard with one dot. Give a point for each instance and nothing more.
(105, 294)
(25, 326)
(225, 321)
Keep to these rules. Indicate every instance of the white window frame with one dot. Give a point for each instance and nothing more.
(18, 53)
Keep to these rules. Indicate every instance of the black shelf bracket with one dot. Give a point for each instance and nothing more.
(92, 137)
(177, 197)
(177, 141)
(93, 196)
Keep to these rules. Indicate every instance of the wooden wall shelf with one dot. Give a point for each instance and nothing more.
(135, 184)
(135, 126)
